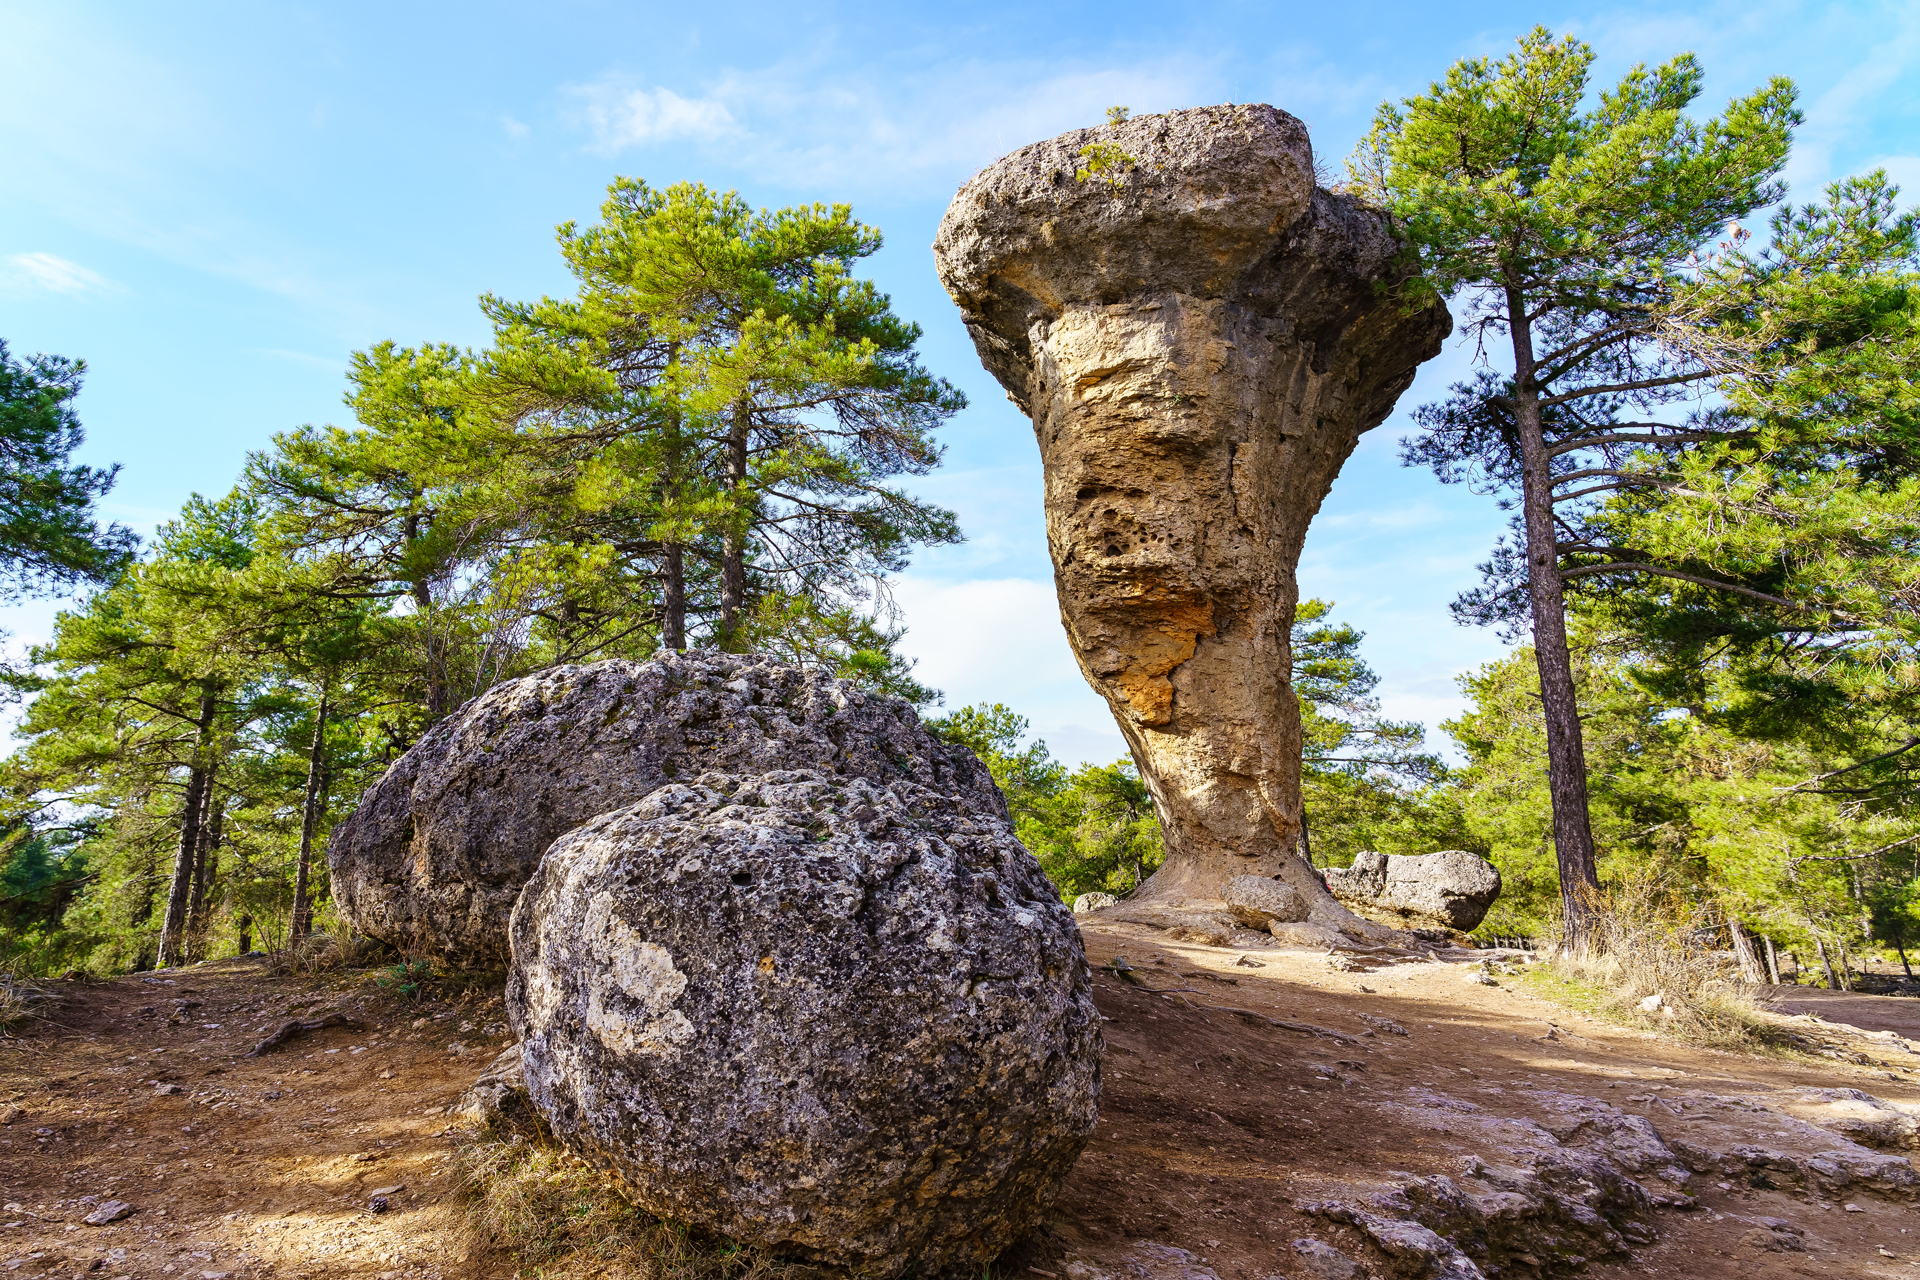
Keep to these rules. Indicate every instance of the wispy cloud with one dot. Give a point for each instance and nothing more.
(49, 273)
(621, 116)
(813, 118)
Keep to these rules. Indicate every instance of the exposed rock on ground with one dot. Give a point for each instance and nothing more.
(1092, 902)
(1452, 889)
(1200, 336)
(498, 1100)
(1258, 902)
(439, 848)
(843, 1019)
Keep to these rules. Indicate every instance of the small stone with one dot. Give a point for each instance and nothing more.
(393, 1190)
(168, 1089)
(377, 1204)
(1851, 1207)
(1248, 962)
(1887, 1253)
(1092, 902)
(1652, 1003)
(110, 1211)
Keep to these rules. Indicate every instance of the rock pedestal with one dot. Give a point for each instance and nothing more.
(843, 1020)
(1200, 335)
(435, 855)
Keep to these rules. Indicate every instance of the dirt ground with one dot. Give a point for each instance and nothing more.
(1216, 1128)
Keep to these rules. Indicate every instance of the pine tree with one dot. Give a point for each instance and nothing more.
(49, 540)
(1569, 233)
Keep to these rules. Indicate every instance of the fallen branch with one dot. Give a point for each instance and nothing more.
(296, 1027)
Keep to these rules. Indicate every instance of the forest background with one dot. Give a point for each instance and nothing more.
(215, 264)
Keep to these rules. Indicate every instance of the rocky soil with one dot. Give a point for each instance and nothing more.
(1224, 1139)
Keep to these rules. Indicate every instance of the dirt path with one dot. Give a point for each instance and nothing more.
(1215, 1130)
(235, 1166)
(1223, 1139)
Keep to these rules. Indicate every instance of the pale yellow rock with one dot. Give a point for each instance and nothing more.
(1200, 344)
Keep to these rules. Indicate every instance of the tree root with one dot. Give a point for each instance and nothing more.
(288, 1030)
(1301, 1028)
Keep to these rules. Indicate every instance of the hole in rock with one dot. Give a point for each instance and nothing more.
(743, 877)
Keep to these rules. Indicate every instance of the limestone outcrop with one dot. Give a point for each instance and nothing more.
(1452, 889)
(1200, 335)
(438, 849)
(844, 1019)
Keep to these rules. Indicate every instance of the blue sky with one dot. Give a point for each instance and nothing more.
(214, 204)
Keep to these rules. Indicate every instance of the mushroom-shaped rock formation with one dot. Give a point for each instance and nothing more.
(844, 1020)
(438, 849)
(1200, 334)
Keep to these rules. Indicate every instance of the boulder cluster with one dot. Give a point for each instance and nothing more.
(777, 961)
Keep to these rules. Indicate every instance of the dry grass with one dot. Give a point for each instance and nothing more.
(21, 1000)
(552, 1216)
(1650, 941)
(325, 952)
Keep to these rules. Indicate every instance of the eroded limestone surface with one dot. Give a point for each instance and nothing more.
(1200, 336)
(438, 849)
(843, 1020)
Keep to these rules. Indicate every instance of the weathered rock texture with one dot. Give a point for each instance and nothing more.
(842, 1019)
(1452, 889)
(439, 848)
(1258, 901)
(1200, 343)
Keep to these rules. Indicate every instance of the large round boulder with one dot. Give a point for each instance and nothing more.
(438, 849)
(844, 1020)
(1452, 889)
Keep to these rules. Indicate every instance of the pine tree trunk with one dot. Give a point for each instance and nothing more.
(1743, 951)
(1306, 840)
(733, 551)
(309, 822)
(673, 605)
(1826, 962)
(206, 866)
(174, 927)
(1773, 963)
(673, 567)
(1559, 701)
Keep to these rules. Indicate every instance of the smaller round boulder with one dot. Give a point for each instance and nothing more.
(841, 1020)
(1092, 902)
(1453, 889)
(1259, 901)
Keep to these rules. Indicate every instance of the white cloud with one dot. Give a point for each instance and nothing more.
(812, 119)
(48, 273)
(1000, 640)
(622, 117)
(513, 128)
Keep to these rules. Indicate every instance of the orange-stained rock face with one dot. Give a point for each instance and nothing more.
(1200, 346)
